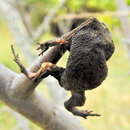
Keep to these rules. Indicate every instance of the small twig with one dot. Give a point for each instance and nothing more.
(17, 61)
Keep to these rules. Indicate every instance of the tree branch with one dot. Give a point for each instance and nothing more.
(33, 106)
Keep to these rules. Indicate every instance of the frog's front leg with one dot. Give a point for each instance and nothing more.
(44, 46)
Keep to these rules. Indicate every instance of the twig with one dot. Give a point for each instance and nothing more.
(17, 61)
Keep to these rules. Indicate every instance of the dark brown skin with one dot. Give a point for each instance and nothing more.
(86, 67)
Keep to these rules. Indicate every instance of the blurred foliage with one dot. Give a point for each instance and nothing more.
(110, 21)
(102, 4)
(127, 1)
(75, 5)
(112, 98)
(45, 2)
(40, 8)
(91, 5)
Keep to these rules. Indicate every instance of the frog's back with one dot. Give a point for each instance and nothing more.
(85, 69)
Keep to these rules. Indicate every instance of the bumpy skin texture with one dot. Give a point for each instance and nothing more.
(89, 50)
(86, 67)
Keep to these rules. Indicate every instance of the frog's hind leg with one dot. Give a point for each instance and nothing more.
(78, 99)
(45, 66)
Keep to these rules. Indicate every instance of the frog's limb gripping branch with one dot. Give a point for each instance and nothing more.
(51, 55)
(44, 46)
(31, 75)
(62, 41)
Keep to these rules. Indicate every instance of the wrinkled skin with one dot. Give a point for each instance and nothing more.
(86, 67)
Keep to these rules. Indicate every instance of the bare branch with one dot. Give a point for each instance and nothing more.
(33, 106)
(21, 122)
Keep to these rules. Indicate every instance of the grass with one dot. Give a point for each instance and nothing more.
(111, 99)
